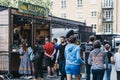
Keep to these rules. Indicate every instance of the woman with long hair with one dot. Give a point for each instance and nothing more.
(25, 68)
(109, 56)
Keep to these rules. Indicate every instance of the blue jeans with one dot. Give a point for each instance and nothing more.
(62, 69)
(108, 72)
(88, 70)
(98, 74)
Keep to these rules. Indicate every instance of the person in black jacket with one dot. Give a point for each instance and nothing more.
(109, 56)
(38, 61)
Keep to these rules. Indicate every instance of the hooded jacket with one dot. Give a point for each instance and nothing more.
(97, 59)
(72, 54)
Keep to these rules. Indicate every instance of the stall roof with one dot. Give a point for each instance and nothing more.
(2, 8)
(57, 20)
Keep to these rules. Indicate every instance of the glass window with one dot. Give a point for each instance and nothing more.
(63, 4)
(108, 28)
(79, 3)
(79, 15)
(63, 15)
(108, 15)
(94, 26)
(108, 3)
(93, 13)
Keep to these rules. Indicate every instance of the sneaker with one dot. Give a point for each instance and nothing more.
(1, 77)
(73, 76)
(25, 77)
(54, 75)
(22, 77)
(29, 77)
(48, 76)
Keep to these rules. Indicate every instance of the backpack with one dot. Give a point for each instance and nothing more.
(30, 52)
(39, 53)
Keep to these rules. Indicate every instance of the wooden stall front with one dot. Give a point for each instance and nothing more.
(15, 27)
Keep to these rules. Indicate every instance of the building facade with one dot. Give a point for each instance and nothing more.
(102, 15)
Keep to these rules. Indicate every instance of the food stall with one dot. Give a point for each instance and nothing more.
(28, 22)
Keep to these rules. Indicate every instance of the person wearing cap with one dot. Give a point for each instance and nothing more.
(72, 56)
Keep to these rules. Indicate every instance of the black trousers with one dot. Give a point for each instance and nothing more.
(88, 68)
(118, 75)
(38, 68)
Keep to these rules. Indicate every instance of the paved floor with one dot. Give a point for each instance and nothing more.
(45, 78)
(113, 76)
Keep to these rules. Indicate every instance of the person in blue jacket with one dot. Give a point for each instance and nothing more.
(73, 59)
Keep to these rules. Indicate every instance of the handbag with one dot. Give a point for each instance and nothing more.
(56, 66)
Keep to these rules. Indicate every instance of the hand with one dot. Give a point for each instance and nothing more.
(106, 68)
(56, 61)
(82, 65)
(52, 57)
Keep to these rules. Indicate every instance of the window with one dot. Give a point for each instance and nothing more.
(93, 13)
(108, 28)
(94, 26)
(93, 1)
(79, 15)
(108, 3)
(63, 15)
(63, 4)
(108, 15)
(79, 3)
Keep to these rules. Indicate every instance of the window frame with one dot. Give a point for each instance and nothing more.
(108, 28)
(63, 15)
(94, 27)
(93, 13)
(63, 3)
(79, 3)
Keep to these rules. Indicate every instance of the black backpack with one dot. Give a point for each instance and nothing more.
(39, 52)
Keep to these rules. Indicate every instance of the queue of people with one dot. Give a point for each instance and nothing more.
(66, 59)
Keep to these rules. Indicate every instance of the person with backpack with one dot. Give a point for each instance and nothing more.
(38, 61)
(86, 52)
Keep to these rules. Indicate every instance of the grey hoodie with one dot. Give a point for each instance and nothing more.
(97, 59)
